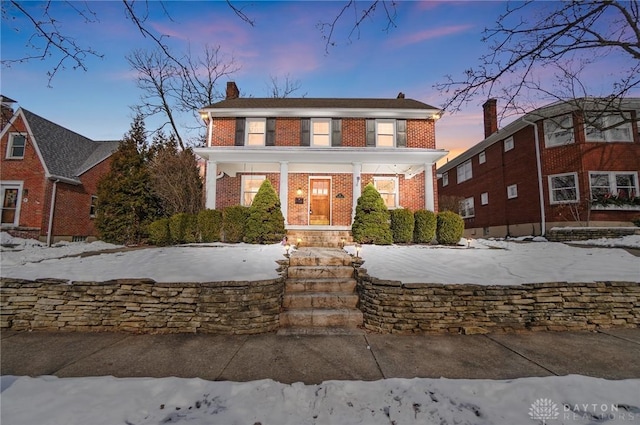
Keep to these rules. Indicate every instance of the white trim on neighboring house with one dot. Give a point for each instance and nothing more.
(12, 184)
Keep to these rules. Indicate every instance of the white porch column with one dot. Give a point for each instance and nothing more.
(429, 195)
(357, 187)
(212, 175)
(284, 189)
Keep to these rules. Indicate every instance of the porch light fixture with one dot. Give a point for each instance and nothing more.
(299, 191)
(204, 116)
(287, 247)
(358, 248)
(299, 242)
(342, 242)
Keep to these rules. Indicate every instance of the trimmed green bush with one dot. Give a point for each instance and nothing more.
(402, 225)
(265, 223)
(449, 228)
(159, 232)
(371, 223)
(234, 220)
(183, 228)
(425, 227)
(209, 225)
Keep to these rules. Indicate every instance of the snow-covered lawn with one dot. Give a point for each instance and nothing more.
(496, 262)
(144, 401)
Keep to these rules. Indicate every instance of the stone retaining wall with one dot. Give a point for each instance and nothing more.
(141, 305)
(560, 234)
(393, 307)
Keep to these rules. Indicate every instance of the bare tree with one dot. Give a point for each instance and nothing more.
(542, 50)
(281, 89)
(171, 86)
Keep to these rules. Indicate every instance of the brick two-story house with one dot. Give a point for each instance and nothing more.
(319, 153)
(45, 165)
(567, 164)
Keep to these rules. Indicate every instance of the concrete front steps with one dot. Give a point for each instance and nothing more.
(320, 297)
(320, 238)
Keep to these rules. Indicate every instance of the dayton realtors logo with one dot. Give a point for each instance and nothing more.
(544, 409)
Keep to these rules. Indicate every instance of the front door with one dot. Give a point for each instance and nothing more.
(320, 202)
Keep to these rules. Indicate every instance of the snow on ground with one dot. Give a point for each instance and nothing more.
(484, 262)
(566, 400)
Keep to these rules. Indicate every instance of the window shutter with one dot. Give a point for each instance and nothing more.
(271, 132)
(336, 132)
(371, 132)
(401, 133)
(305, 134)
(240, 123)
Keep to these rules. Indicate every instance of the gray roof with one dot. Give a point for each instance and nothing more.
(328, 103)
(66, 153)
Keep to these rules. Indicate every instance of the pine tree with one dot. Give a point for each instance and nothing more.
(126, 205)
(371, 223)
(266, 222)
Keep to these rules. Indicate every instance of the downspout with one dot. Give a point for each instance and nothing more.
(543, 220)
(51, 210)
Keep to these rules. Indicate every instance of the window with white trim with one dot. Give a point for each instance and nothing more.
(11, 197)
(16, 146)
(563, 188)
(321, 132)
(445, 179)
(388, 189)
(250, 186)
(482, 157)
(93, 208)
(484, 198)
(465, 171)
(607, 128)
(385, 133)
(466, 208)
(508, 144)
(512, 191)
(621, 184)
(558, 131)
(256, 130)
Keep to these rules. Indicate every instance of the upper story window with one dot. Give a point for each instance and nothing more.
(613, 186)
(508, 144)
(10, 194)
(558, 131)
(608, 128)
(321, 134)
(482, 157)
(93, 208)
(467, 209)
(512, 191)
(484, 198)
(388, 188)
(256, 131)
(250, 186)
(445, 179)
(563, 188)
(386, 133)
(16, 145)
(465, 171)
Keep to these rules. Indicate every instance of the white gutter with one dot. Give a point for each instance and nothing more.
(51, 210)
(543, 219)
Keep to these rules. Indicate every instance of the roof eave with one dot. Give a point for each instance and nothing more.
(322, 113)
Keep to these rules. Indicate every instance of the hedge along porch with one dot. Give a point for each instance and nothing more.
(319, 154)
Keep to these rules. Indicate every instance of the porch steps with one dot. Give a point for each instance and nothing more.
(320, 297)
(320, 238)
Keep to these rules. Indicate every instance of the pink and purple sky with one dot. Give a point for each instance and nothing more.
(429, 41)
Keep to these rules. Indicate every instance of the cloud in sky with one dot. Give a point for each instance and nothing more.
(428, 34)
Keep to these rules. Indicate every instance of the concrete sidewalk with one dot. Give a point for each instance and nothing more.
(611, 354)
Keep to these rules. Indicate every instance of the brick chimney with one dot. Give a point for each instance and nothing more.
(490, 117)
(400, 95)
(232, 90)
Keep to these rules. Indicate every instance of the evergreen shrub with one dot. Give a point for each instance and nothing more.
(209, 225)
(449, 228)
(265, 223)
(425, 226)
(371, 223)
(234, 220)
(402, 225)
(159, 233)
(183, 228)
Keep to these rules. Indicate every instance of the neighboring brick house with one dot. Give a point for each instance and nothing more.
(319, 153)
(44, 164)
(581, 170)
